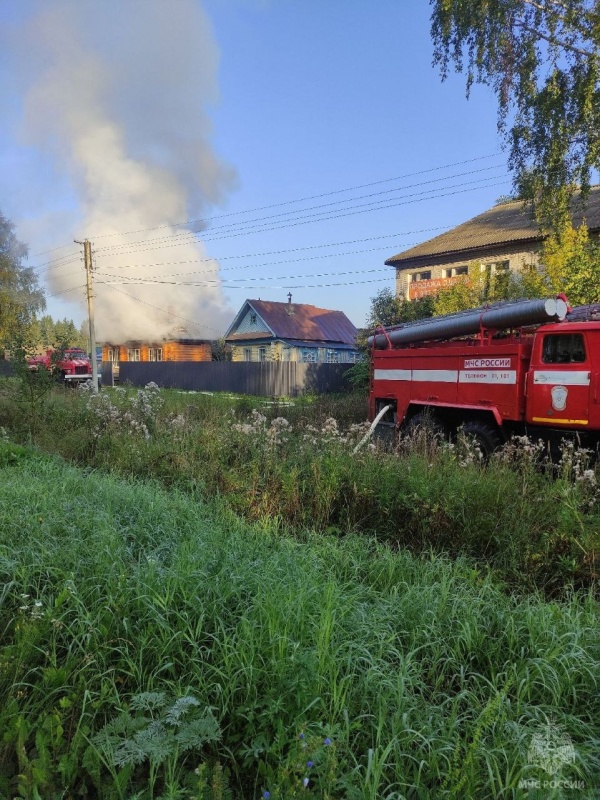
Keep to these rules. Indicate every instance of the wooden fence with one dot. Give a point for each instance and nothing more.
(265, 379)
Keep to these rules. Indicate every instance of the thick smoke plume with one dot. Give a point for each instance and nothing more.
(115, 95)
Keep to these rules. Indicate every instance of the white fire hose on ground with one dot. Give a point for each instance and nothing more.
(372, 427)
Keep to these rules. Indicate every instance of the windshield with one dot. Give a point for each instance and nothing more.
(76, 355)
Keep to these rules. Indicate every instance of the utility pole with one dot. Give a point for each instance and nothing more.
(87, 256)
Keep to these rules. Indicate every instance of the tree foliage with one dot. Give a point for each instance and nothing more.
(46, 333)
(389, 309)
(479, 287)
(20, 295)
(569, 263)
(542, 60)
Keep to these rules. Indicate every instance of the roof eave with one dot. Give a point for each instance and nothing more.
(239, 317)
(469, 254)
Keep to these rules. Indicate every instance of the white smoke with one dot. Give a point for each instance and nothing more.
(115, 94)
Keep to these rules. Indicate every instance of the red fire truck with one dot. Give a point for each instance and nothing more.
(72, 366)
(525, 367)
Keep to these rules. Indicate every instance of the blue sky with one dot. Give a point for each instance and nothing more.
(325, 138)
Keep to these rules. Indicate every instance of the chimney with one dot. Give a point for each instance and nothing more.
(290, 308)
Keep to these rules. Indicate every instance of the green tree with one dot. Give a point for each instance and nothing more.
(389, 309)
(386, 309)
(482, 286)
(542, 60)
(46, 333)
(20, 295)
(221, 351)
(569, 263)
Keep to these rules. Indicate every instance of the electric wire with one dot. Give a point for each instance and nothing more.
(274, 252)
(305, 199)
(353, 211)
(52, 250)
(56, 263)
(257, 225)
(293, 224)
(245, 266)
(465, 241)
(268, 286)
(209, 282)
(154, 279)
(64, 291)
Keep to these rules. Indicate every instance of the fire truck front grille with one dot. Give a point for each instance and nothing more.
(81, 370)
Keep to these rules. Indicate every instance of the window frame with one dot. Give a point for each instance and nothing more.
(554, 339)
(417, 277)
(305, 352)
(155, 354)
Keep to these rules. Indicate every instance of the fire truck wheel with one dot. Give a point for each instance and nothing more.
(425, 421)
(485, 436)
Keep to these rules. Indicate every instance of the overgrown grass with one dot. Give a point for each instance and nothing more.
(295, 464)
(157, 646)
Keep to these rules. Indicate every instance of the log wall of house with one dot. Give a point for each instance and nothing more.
(171, 351)
(179, 351)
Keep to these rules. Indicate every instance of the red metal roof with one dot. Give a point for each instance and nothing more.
(305, 322)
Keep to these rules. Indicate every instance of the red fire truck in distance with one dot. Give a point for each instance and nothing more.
(526, 367)
(72, 365)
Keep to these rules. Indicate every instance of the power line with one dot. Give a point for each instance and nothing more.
(265, 286)
(476, 235)
(276, 252)
(291, 224)
(260, 220)
(144, 280)
(303, 199)
(353, 210)
(248, 225)
(60, 262)
(52, 250)
(464, 239)
(208, 282)
(64, 291)
(253, 266)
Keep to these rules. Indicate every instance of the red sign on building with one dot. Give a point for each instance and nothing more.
(419, 289)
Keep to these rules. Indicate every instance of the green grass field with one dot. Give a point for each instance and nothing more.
(158, 646)
(294, 465)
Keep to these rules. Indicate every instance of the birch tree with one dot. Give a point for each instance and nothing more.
(541, 59)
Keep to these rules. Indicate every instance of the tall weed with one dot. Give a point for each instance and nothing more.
(151, 640)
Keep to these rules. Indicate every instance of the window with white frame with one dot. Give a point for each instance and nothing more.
(247, 354)
(309, 355)
(113, 355)
(421, 276)
(155, 354)
(496, 266)
(262, 353)
(454, 272)
(133, 355)
(354, 357)
(333, 356)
